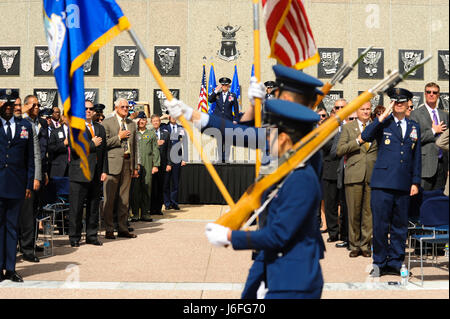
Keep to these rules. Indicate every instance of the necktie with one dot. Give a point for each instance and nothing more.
(125, 140)
(400, 129)
(436, 122)
(365, 144)
(91, 129)
(8, 131)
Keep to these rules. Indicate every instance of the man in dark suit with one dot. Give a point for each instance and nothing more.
(432, 122)
(227, 106)
(30, 207)
(178, 156)
(83, 189)
(395, 178)
(158, 179)
(59, 151)
(17, 175)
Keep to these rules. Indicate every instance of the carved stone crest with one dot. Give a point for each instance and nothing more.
(372, 66)
(167, 60)
(42, 61)
(8, 57)
(443, 65)
(159, 98)
(126, 61)
(329, 100)
(128, 94)
(228, 50)
(91, 95)
(330, 61)
(407, 59)
(48, 98)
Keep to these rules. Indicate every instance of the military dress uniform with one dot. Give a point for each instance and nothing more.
(287, 79)
(149, 157)
(16, 175)
(397, 168)
(289, 240)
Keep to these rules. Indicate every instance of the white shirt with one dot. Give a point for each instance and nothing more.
(224, 97)
(66, 130)
(55, 124)
(158, 133)
(361, 129)
(402, 125)
(174, 127)
(13, 125)
(430, 110)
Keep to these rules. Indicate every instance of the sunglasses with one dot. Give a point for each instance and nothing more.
(352, 118)
(17, 104)
(323, 115)
(125, 107)
(36, 105)
(89, 109)
(432, 92)
(337, 107)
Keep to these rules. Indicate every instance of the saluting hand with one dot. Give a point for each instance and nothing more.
(387, 112)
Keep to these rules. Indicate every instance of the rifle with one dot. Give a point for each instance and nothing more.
(303, 150)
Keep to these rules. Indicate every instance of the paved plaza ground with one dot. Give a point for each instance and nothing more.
(172, 259)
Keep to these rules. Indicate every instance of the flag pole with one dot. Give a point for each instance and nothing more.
(212, 171)
(257, 63)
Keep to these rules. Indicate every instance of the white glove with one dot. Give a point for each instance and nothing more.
(256, 90)
(177, 108)
(217, 234)
(262, 291)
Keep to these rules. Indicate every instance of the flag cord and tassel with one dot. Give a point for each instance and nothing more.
(212, 171)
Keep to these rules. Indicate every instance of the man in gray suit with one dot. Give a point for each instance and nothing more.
(433, 122)
(121, 145)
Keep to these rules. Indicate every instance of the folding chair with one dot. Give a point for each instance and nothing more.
(58, 196)
(434, 226)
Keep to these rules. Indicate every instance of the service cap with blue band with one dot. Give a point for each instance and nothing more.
(296, 81)
(99, 107)
(47, 112)
(290, 114)
(224, 81)
(399, 95)
(141, 115)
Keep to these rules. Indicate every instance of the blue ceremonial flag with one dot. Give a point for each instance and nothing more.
(236, 89)
(75, 30)
(211, 86)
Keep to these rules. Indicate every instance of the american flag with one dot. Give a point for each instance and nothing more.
(290, 36)
(203, 98)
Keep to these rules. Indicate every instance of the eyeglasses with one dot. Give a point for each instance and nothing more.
(352, 118)
(125, 107)
(17, 104)
(337, 107)
(432, 92)
(36, 105)
(89, 109)
(323, 115)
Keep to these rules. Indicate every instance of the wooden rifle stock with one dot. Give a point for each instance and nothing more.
(325, 89)
(304, 149)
